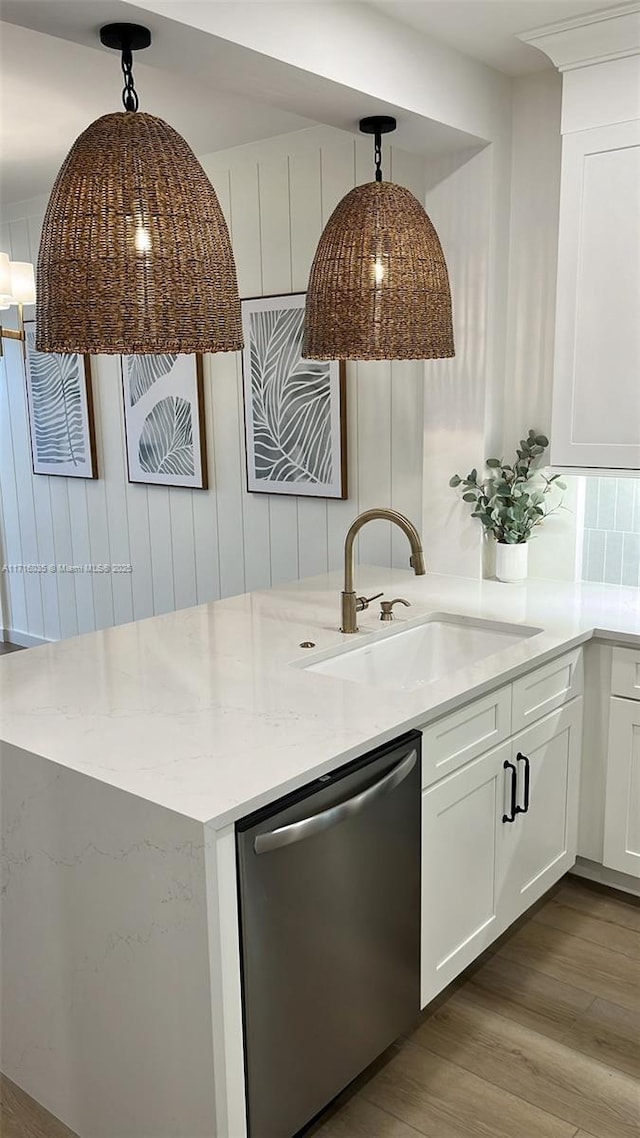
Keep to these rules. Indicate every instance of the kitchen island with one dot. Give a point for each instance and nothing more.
(128, 755)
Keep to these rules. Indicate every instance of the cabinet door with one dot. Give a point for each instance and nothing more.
(540, 845)
(461, 815)
(596, 396)
(622, 806)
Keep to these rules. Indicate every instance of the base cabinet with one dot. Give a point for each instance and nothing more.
(496, 834)
(461, 817)
(540, 845)
(622, 804)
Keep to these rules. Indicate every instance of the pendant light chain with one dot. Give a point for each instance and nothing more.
(378, 155)
(129, 93)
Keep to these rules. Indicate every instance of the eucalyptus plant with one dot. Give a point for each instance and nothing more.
(513, 499)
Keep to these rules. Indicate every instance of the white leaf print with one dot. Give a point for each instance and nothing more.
(56, 396)
(291, 402)
(143, 371)
(166, 439)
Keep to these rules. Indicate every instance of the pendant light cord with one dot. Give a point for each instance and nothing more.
(129, 93)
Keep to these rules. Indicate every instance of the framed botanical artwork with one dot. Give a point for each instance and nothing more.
(294, 409)
(60, 404)
(164, 420)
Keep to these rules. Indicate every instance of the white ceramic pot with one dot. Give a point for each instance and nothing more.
(511, 561)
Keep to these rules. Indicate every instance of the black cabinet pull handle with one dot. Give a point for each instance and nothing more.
(514, 785)
(527, 779)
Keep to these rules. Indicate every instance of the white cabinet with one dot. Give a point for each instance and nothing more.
(546, 688)
(464, 734)
(622, 801)
(622, 809)
(596, 394)
(540, 845)
(625, 673)
(461, 819)
(498, 831)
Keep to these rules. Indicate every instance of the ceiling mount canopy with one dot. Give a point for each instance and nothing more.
(379, 286)
(126, 38)
(135, 255)
(377, 125)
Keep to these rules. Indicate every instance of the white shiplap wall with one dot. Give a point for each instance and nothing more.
(533, 253)
(531, 299)
(187, 546)
(458, 200)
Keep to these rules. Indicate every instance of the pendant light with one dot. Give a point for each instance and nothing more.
(135, 254)
(379, 287)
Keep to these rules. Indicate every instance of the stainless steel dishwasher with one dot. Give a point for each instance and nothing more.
(329, 894)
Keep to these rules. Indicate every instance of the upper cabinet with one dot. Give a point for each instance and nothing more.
(596, 383)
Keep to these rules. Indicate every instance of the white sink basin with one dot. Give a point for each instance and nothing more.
(409, 658)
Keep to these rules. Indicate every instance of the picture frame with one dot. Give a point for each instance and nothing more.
(164, 420)
(60, 411)
(294, 409)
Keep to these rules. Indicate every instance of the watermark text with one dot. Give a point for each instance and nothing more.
(61, 567)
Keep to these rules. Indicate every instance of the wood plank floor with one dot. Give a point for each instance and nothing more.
(21, 1117)
(540, 1039)
(5, 648)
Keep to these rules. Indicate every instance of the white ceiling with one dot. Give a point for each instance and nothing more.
(50, 89)
(487, 29)
(55, 77)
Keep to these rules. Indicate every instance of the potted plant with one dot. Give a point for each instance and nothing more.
(511, 502)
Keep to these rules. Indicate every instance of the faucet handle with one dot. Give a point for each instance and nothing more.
(387, 607)
(416, 561)
(364, 602)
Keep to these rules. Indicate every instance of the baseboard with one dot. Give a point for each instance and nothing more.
(593, 871)
(23, 639)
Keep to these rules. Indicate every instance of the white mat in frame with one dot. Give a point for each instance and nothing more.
(164, 420)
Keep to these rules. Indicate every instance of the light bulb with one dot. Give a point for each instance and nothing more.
(142, 240)
(378, 271)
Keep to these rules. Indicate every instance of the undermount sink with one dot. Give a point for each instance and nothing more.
(409, 658)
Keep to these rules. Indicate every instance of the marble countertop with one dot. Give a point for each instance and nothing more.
(201, 712)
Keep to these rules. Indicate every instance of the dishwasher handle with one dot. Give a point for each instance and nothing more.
(297, 831)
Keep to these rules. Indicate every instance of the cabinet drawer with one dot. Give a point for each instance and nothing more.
(546, 688)
(464, 734)
(625, 673)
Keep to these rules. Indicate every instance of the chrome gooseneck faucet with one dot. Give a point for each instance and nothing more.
(351, 604)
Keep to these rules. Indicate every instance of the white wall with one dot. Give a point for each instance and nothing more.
(533, 254)
(458, 202)
(531, 300)
(186, 546)
(498, 213)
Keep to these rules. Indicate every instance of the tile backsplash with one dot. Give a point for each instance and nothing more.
(611, 538)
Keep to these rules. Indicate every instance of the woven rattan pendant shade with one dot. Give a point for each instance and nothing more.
(379, 287)
(135, 254)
